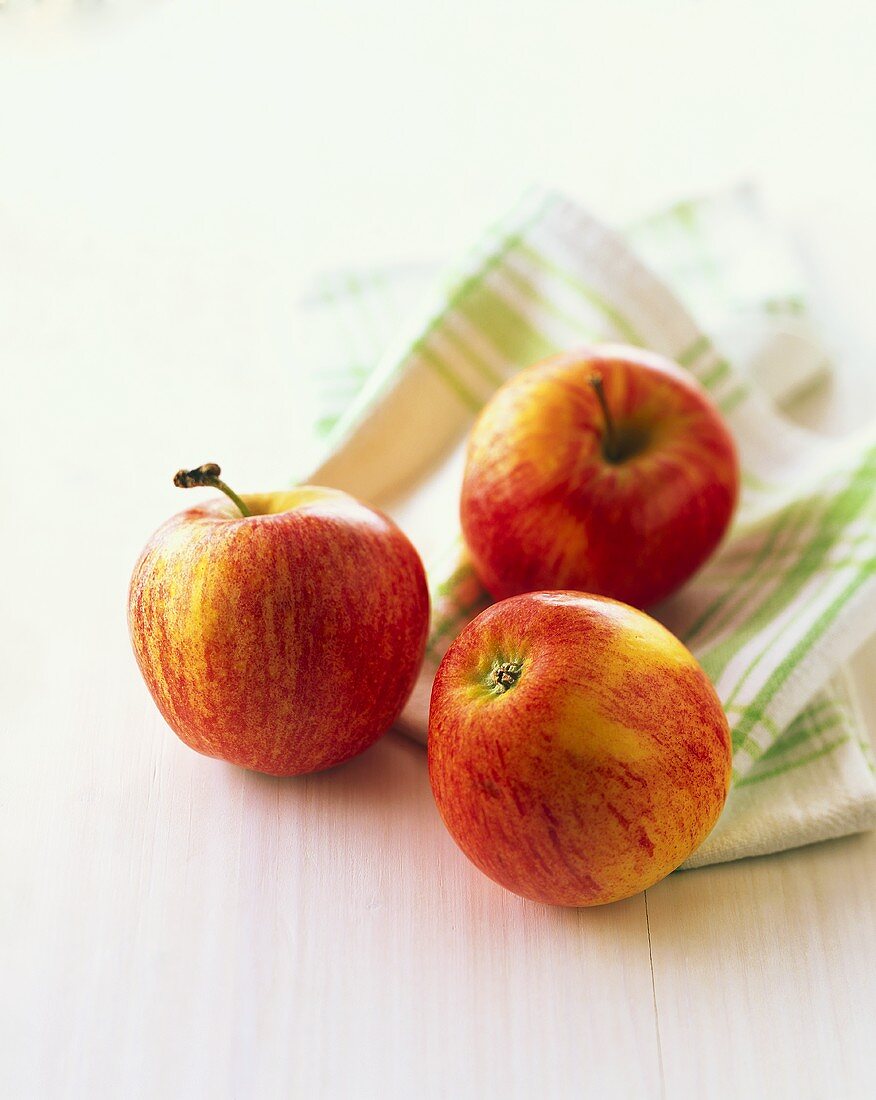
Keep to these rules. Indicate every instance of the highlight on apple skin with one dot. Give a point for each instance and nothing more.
(607, 470)
(577, 751)
(287, 640)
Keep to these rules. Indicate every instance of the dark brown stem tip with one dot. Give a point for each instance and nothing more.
(207, 476)
(200, 475)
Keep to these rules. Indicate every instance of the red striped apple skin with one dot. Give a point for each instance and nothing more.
(286, 642)
(593, 775)
(543, 508)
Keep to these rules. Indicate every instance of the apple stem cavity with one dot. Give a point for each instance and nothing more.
(208, 475)
(610, 440)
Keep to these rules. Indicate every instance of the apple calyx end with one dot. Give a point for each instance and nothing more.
(505, 676)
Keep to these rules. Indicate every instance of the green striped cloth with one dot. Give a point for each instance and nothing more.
(407, 358)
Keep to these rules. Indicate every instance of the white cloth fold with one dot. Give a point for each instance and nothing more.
(791, 593)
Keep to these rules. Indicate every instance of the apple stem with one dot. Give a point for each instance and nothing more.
(610, 442)
(208, 475)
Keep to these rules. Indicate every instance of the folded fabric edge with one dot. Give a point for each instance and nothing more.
(768, 832)
(397, 359)
(486, 255)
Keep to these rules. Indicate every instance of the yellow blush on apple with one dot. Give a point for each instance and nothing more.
(607, 470)
(577, 751)
(282, 632)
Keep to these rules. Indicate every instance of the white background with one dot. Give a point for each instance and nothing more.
(171, 175)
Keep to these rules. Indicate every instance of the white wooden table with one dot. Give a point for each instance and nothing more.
(173, 927)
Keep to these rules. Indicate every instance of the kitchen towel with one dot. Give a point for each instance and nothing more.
(406, 359)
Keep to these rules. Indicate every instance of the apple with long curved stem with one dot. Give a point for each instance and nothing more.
(606, 470)
(577, 751)
(282, 632)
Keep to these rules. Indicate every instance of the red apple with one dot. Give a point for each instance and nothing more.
(285, 639)
(606, 470)
(577, 751)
